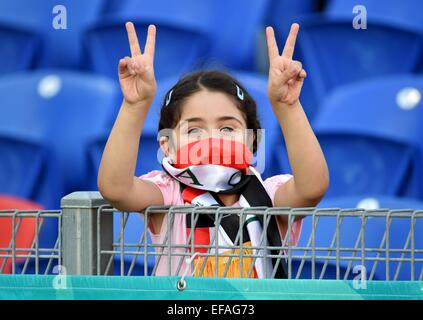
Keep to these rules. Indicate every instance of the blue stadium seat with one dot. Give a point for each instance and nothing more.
(28, 169)
(184, 13)
(63, 110)
(334, 53)
(20, 48)
(403, 14)
(61, 47)
(236, 29)
(181, 42)
(374, 232)
(371, 134)
(223, 21)
(282, 13)
(371, 202)
(113, 6)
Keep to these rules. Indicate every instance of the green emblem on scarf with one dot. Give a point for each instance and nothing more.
(189, 175)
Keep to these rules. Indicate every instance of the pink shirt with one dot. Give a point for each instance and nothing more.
(172, 196)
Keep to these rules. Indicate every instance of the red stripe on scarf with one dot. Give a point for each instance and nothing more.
(189, 194)
(201, 237)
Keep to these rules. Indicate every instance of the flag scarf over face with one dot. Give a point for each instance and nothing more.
(205, 168)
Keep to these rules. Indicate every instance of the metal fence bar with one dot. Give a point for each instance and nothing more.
(304, 256)
(313, 246)
(51, 257)
(216, 242)
(79, 232)
(59, 240)
(14, 243)
(363, 241)
(284, 240)
(289, 245)
(37, 232)
(169, 239)
(104, 259)
(387, 226)
(265, 245)
(241, 240)
(145, 242)
(121, 241)
(99, 244)
(413, 221)
(135, 257)
(338, 271)
(191, 237)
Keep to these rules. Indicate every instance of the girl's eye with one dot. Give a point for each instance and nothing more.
(226, 129)
(193, 130)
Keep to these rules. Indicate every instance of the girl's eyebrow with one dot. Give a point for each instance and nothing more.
(194, 119)
(190, 120)
(224, 118)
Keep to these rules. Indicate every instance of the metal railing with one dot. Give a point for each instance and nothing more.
(93, 238)
(32, 244)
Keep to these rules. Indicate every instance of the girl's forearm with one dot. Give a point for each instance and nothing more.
(308, 164)
(117, 167)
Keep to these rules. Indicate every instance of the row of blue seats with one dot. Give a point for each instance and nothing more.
(189, 28)
(217, 33)
(54, 126)
(371, 135)
(220, 21)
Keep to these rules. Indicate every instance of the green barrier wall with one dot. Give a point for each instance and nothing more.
(164, 288)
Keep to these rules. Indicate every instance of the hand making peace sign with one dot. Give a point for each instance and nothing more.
(286, 76)
(136, 73)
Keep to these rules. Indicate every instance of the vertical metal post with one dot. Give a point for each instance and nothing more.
(79, 233)
(412, 222)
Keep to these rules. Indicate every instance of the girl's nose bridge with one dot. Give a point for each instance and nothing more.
(212, 131)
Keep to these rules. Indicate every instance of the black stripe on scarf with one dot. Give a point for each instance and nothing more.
(256, 195)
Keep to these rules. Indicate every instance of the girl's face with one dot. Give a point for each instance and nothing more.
(207, 114)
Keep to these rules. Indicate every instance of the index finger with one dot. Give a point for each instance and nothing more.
(288, 50)
(133, 39)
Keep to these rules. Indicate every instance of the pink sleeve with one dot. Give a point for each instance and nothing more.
(168, 186)
(272, 184)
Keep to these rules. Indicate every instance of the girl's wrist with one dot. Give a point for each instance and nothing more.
(280, 109)
(137, 108)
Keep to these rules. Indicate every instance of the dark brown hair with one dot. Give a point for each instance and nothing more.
(212, 80)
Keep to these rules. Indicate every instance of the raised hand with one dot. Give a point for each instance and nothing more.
(136, 73)
(286, 76)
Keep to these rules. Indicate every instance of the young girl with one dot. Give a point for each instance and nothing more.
(209, 113)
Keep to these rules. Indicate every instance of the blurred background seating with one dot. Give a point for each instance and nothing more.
(371, 135)
(54, 109)
(60, 48)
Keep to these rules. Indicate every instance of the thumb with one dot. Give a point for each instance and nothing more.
(122, 66)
